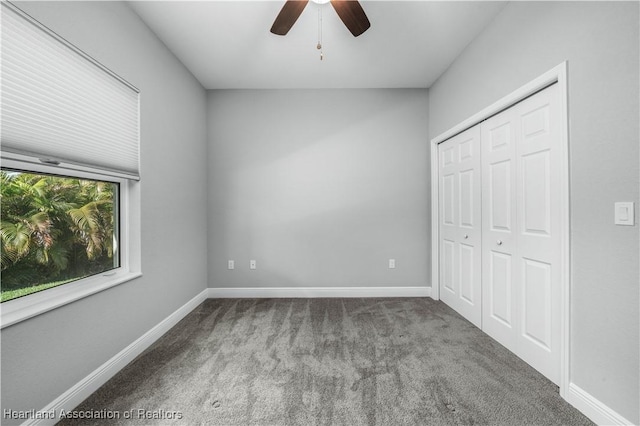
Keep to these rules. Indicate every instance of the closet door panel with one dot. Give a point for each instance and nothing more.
(538, 222)
(536, 281)
(521, 246)
(500, 194)
(460, 224)
(447, 269)
(448, 221)
(536, 194)
(498, 234)
(500, 290)
(468, 275)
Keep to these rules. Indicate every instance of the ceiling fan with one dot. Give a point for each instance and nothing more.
(349, 11)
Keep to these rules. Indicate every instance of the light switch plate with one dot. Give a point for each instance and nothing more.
(624, 213)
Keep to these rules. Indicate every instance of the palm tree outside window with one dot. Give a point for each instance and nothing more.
(55, 230)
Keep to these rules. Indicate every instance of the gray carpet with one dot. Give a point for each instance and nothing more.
(404, 361)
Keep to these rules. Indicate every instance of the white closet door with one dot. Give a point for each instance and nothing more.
(521, 220)
(460, 224)
(539, 243)
(498, 221)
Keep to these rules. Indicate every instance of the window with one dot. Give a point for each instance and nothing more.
(55, 230)
(69, 170)
(65, 234)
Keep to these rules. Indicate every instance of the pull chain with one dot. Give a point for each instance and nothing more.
(319, 46)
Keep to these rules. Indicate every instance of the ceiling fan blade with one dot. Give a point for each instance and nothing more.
(352, 15)
(288, 16)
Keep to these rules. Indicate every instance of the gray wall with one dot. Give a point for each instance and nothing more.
(320, 187)
(44, 356)
(600, 42)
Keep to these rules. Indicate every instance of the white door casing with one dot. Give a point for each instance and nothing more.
(460, 224)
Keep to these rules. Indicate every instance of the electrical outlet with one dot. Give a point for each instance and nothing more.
(392, 264)
(252, 264)
(231, 264)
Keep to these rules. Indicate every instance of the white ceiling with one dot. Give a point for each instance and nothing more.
(227, 44)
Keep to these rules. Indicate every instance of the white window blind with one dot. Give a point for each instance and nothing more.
(60, 104)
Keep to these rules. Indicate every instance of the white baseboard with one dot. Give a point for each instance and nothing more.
(85, 387)
(314, 292)
(593, 408)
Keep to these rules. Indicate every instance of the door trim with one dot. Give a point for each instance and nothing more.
(557, 75)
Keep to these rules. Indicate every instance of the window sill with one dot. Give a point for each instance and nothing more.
(20, 309)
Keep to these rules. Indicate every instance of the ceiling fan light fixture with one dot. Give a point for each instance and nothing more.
(349, 11)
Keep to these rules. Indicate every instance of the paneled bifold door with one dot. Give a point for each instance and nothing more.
(460, 224)
(499, 228)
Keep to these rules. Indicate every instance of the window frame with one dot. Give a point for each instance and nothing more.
(31, 305)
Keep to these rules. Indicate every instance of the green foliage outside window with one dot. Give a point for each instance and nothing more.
(54, 230)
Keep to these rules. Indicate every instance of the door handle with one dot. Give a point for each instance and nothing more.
(499, 242)
(466, 236)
